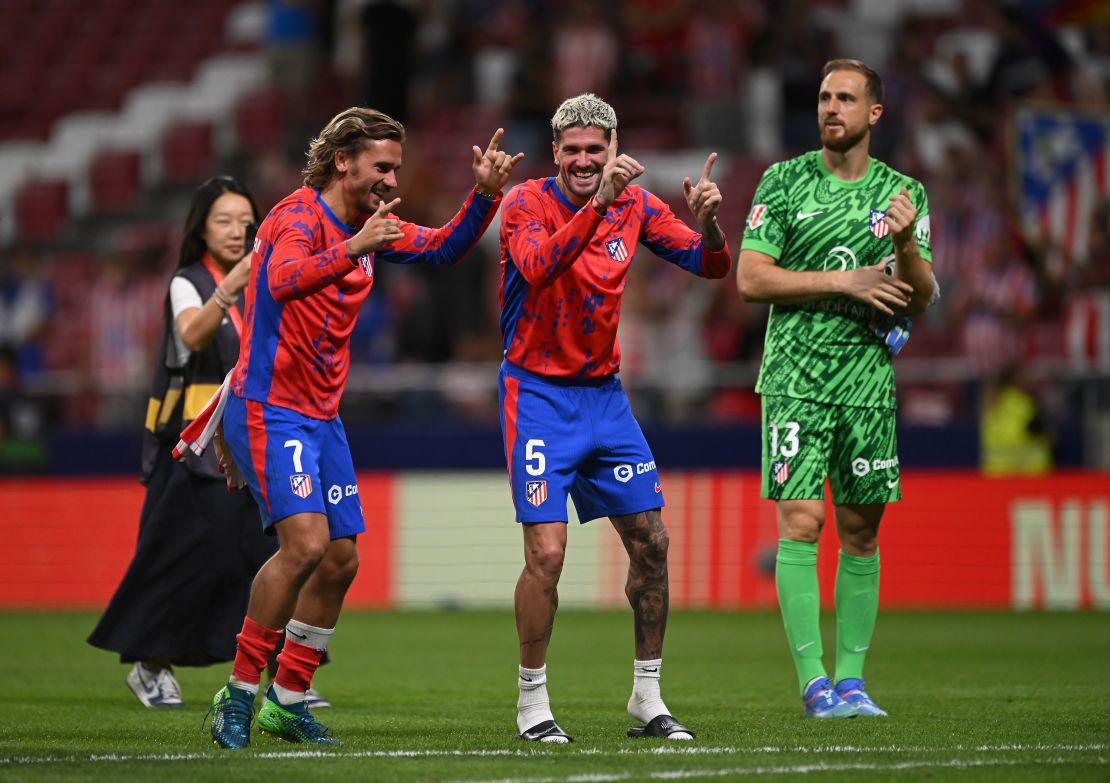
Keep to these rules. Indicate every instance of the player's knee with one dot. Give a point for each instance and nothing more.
(546, 561)
(655, 547)
(342, 568)
(303, 557)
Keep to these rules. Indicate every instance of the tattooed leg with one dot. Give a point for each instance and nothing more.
(646, 542)
(537, 596)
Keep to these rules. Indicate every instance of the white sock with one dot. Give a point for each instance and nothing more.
(645, 703)
(308, 635)
(286, 696)
(235, 682)
(532, 705)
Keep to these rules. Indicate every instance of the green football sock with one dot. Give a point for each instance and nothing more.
(800, 603)
(857, 603)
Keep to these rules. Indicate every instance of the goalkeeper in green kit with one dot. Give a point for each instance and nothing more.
(838, 243)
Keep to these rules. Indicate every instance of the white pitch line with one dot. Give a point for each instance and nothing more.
(663, 750)
(785, 769)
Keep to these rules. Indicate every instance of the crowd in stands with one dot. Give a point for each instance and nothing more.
(736, 76)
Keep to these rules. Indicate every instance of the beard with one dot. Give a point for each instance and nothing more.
(844, 142)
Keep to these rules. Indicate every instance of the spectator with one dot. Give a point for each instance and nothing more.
(26, 305)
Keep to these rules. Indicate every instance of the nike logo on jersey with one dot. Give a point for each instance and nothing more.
(808, 215)
(891, 483)
(801, 647)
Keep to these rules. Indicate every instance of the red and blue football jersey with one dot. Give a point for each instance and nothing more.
(305, 293)
(563, 271)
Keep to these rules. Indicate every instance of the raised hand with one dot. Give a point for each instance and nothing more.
(379, 230)
(872, 285)
(493, 167)
(704, 198)
(236, 280)
(618, 172)
(901, 216)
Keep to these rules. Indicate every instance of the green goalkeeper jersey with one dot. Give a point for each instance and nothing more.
(826, 350)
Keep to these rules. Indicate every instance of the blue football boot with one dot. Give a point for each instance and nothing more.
(232, 711)
(821, 701)
(851, 691)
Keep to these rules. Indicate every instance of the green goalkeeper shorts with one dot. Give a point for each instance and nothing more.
(803, 442)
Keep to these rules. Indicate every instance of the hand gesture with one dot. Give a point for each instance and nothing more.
(379, 230)
(704, 198)
(493, 167)
(901, 216)
(872, 285)
(618, 172)
(236, 280)
(227, 465)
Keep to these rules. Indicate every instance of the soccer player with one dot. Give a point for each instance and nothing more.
(312, 268)
(819, 238)
(567, 243)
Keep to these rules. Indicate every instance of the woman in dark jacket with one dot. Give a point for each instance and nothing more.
(185, 593)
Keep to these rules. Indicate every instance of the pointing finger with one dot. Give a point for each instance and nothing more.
(612, 154)
(708, 170)
(385, 208)
(495, 140)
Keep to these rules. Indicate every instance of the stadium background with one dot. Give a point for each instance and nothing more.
(111, 111)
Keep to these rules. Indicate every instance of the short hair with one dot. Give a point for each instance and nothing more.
(584, 111)
(193, 245)
(874, 83)
(347, 131)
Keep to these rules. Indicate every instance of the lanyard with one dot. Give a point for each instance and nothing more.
(218, 276)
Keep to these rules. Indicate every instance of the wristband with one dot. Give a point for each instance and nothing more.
(222, 300)
(492, 197)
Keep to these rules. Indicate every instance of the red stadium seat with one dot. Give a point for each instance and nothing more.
(187, 151)
(259, 119)
(114, 180)
(41, 209)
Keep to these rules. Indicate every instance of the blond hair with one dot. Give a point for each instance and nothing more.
(347, 131)
(584, 111)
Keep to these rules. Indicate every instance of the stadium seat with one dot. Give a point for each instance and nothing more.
(41, 208)
(187, 151)
(114, 180)
(259, 119)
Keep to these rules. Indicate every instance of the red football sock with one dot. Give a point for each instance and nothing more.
(254, 646)
(296, 665)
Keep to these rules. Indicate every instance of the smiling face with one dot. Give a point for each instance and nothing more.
(844, 112)
(580, 155)
(225, 229)
(370, 176)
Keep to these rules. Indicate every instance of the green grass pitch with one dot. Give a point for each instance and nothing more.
(430, 696)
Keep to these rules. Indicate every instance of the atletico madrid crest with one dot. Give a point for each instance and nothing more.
(878, 226)
(301, 484)
(616, 250)
(535, 492)
(780, 471)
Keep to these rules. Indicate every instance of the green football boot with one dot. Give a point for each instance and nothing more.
(292, 722)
